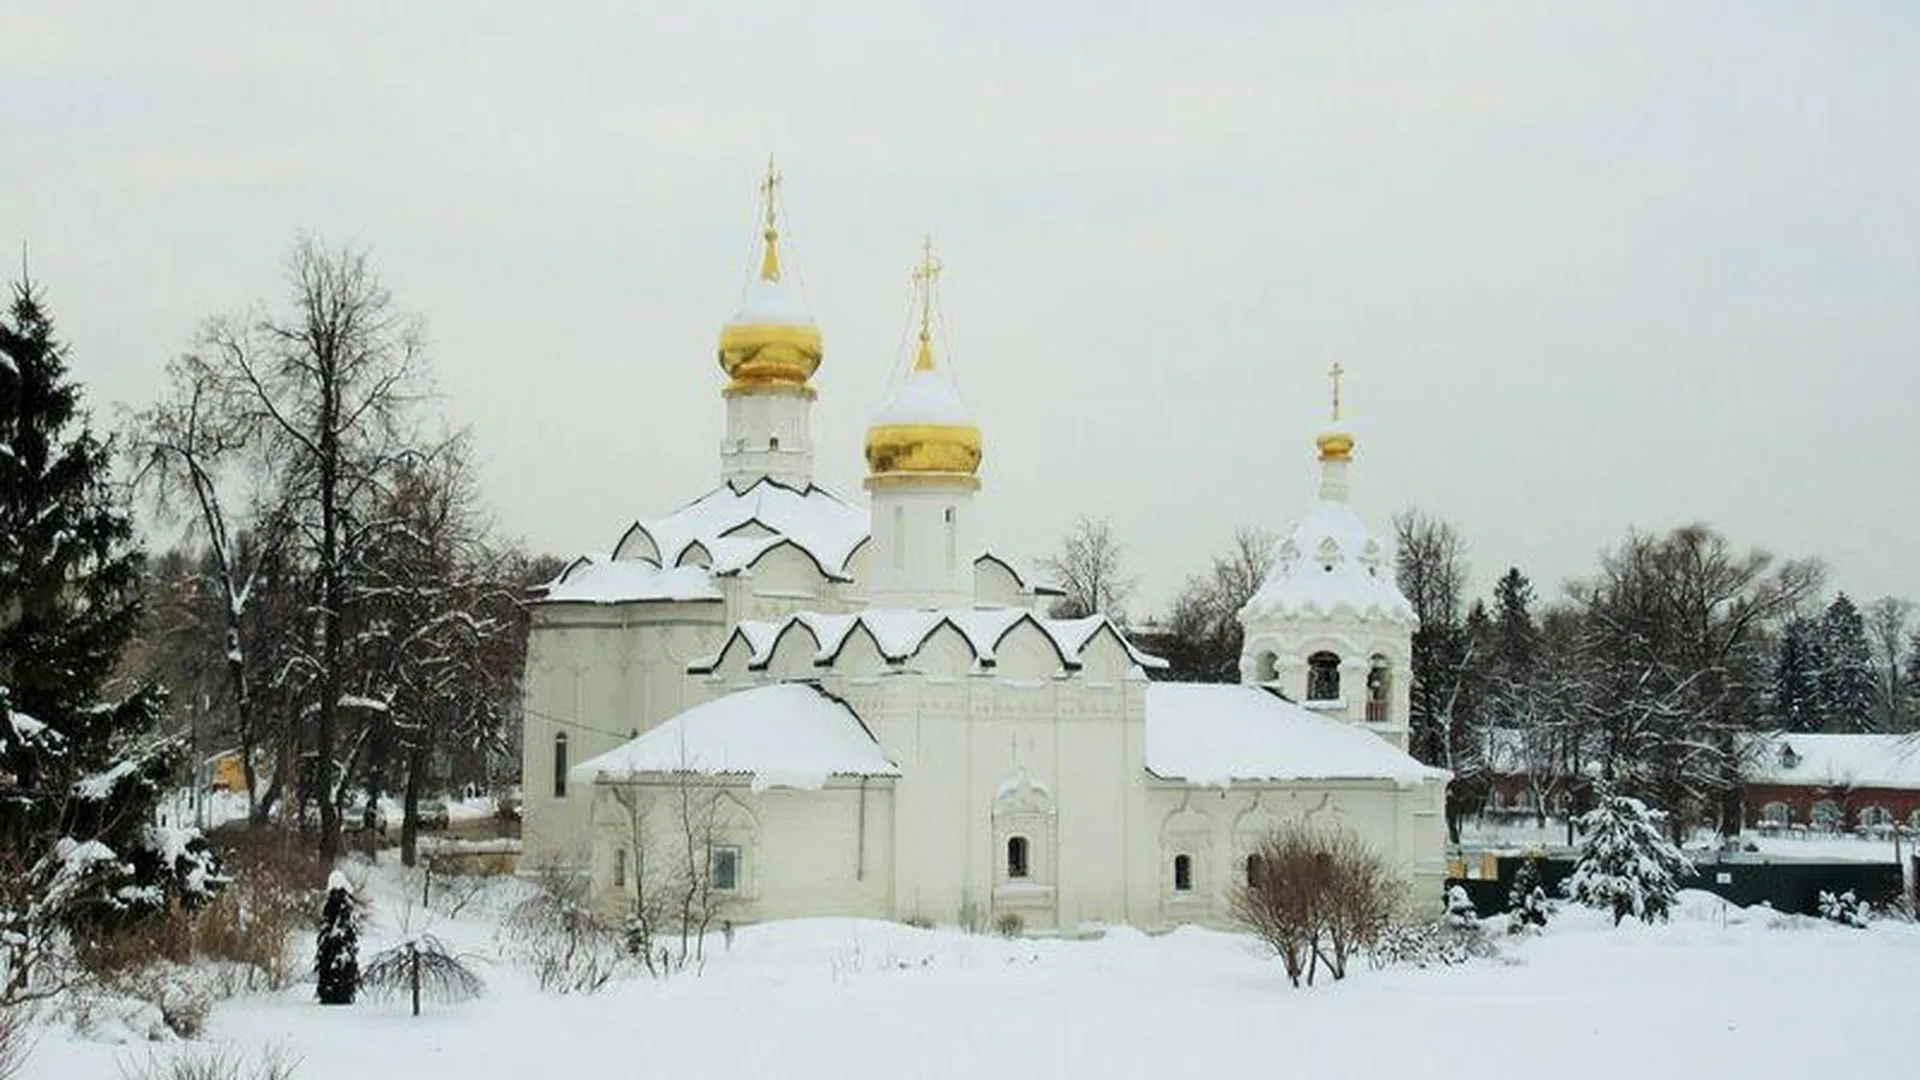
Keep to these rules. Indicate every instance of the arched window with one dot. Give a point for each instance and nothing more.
(1875, 817)
(1266, 668)
(1323, 677)
(560, 765)
(1253, 869)
(1826, 815)
(1017, 857)
(1379, 688)
(1776, 815)
(1183, 873)
(773, 443)
(620, 868)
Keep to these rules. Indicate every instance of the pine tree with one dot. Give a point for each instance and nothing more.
(1626, 862)
(1846, 681)
(81, 770)
(337, 952)
(1796, 699)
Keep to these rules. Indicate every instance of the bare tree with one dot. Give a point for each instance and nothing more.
(1451, 658)
(1315, 896)
(1205, 635)
(1090, 570)
(327, 390)
(1888, 619)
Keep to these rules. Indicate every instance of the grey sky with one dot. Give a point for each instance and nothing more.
(1589, 267)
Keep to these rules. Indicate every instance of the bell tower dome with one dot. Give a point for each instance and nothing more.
(769, 351)
(1329, 626)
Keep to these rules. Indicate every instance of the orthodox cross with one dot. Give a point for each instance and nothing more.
(770, 191)
(1334, 373)
(924, 276)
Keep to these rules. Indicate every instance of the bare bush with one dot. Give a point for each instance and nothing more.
(422, 967)
(16, 1039)
(1009, 924)
(1315, 896)
(554, 934)
(214, 1063)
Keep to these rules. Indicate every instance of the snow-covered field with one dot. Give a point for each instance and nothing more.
(1719, 992)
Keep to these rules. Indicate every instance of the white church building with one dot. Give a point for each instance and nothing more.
(877, 718)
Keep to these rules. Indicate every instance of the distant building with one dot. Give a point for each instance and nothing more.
(1832, 783)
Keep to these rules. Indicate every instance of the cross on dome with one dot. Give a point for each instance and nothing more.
(770, 195)
(924, 276)
(1334, 373)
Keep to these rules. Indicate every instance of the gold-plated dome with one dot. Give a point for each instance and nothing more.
(926, 429)
(771, 343)
(1335, 441)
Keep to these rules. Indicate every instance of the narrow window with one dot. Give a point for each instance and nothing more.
(1377, 688)
(773, 443)
(1253, 869)
(1183, 873)
(1323, 677)
(620, 868)
(723, 869)
(1017, 857)
(560, 765)
(953, 541)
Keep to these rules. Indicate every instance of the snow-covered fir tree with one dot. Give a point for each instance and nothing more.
(337, 954)
(1795, 694)
(1846, 678)
(80, 768)
(1626, 864)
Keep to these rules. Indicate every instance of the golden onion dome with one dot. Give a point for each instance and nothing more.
(771, 343)
(926, 428)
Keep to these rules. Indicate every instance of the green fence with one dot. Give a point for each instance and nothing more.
(1785, 886)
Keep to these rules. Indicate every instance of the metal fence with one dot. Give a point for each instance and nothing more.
(1785, 886)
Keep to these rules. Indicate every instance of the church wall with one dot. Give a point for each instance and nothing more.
(802, 853)
(599, 674)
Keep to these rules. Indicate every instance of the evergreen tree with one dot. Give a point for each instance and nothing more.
(80, 768)
(1526, 900)
(1795, 696)
(1910, 707)
(1515, 637)
(1846, 680)
(337, 953)
(1626, 862)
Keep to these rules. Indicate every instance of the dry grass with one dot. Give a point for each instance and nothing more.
(214, 1063)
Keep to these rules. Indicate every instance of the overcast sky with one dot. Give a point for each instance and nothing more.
(1590, 267)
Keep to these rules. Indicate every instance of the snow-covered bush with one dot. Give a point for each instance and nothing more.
(1626, 864)
(337, 952)
(1432, 943)
(1526, 900)
(1460, 913)
(16, 1040)
(1845, 909)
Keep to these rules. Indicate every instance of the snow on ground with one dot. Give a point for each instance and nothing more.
(1718, 992)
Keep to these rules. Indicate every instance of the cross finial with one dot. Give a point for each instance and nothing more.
(770, 194)
(1334, 373)
(924, 276)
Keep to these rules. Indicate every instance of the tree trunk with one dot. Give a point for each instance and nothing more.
(410, 809)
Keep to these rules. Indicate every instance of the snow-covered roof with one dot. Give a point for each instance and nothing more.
(926, 397)
(792, 735)
(1330, 564)
(594, 579)
(723, 532)
(1216, 735)
(899, 633)
(1023, 573)
(774, 303)
(1860, 761)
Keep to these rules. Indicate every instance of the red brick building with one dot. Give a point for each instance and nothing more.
(1832, 783)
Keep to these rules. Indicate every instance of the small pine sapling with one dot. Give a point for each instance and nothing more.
(1626, 862)
(337, 956)
(422, 966)
(1460, 911)
(1845, 909)
(1526, 900)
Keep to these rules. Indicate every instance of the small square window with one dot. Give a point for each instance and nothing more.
(723, 869)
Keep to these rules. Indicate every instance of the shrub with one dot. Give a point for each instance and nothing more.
(1009, 924)
(16, 1039)
(1526, 900)
(1429, 944)
(214, 1063)
(1315, 897)
(1460, 912)
(1845, 909)
(555, 935)
(422, 966)
(336, 959)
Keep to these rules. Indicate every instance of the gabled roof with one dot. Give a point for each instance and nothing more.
(791, 735)
(1216, 735)
(900, 632)
(1856, 761)
(819, 523)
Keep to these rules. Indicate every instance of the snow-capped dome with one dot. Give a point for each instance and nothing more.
(926, 397)
(1330, 564)
(771, 342)
(771, 303)
(925, 428)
